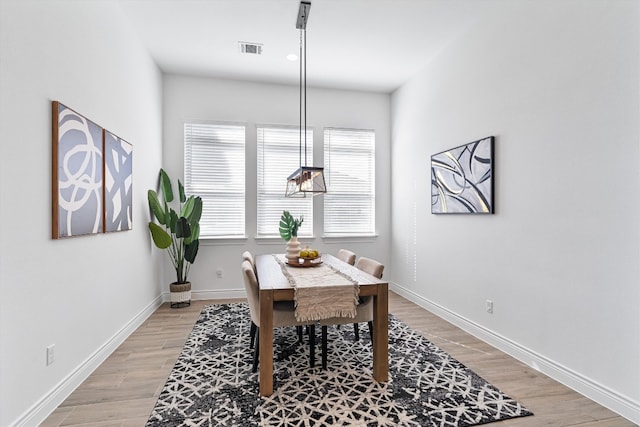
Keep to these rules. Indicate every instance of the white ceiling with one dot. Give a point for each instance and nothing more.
(373, 45)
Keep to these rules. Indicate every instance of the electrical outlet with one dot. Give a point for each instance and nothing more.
(219, 273)
(489, 305)
(51, 356)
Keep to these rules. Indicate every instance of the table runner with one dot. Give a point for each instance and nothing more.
(321, 292)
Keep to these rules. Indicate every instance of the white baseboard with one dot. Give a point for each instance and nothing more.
(617, 402)
(35, 415)
(211, 294)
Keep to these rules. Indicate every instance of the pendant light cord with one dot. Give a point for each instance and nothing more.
(300, 118)
(303, 80)
(305, 96)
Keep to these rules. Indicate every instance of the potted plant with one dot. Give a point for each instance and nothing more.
(178, 231)
(289, 232)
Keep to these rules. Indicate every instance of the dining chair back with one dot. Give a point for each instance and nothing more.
(347, 256)
(370, 266)
(253, 291)
(247, 256)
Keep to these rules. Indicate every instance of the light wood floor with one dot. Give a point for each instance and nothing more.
(124, 389)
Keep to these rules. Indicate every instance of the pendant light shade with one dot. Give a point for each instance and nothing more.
(306, 180)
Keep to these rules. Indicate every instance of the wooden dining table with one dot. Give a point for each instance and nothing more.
(274, 286)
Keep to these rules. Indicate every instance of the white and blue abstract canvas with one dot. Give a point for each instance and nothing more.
(118, 183)
(92, 182)
(77, 174)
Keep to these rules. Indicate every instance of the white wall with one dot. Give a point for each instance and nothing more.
(557, 83)
(227, 100)
(77, 293)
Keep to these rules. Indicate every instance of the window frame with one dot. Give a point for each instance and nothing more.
(368, 202)
(237, 210)
(268, 229)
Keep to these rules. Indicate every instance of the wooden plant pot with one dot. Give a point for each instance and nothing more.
(180, 294)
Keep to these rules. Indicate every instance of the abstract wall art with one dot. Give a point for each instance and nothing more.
(462, 179)
(118, 183)
(92, 177)
(77, 174)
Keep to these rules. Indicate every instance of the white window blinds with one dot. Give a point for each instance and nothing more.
(214, 170)
(349, 161)
(279, 157)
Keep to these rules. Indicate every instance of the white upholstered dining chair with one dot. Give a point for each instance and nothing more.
(347, 256)
(350, 258)
(247, 256)
(370, 266)
(364, 311)
(283, 313)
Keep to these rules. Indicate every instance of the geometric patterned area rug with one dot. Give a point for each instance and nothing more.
(212, 384)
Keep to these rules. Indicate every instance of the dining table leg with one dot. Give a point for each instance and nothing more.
(380, 333)
(266, 342)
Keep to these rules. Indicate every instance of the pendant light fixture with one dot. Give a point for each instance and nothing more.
(306, 180)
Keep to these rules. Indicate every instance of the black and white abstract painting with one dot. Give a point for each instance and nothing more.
(77, 174)
(118, 183)
(462, 179)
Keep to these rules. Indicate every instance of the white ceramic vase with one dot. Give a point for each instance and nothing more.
(293, 250)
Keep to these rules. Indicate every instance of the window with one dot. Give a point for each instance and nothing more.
(349, 160)
(214, 170)
(279, 157)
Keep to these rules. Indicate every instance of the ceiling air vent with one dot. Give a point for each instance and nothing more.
(254, 48)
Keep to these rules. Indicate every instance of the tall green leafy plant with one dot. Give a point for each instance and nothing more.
(177, 231)
(289, 225)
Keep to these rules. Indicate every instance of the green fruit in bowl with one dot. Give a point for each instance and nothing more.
(304, 254)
